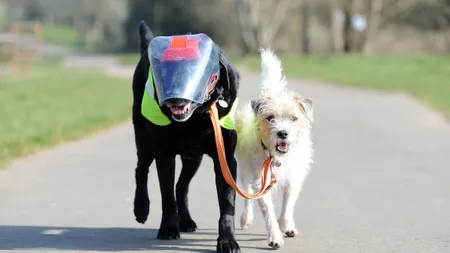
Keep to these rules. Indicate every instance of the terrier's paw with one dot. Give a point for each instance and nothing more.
(246, 220)
(276, 239)
(291, 233)
(287, 227)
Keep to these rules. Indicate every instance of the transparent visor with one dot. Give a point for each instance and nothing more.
(183, 67)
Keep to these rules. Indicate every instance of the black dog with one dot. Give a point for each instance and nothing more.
(190, 139)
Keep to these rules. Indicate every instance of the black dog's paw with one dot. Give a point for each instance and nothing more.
(141, 209)
(188, 226)
(228, 246)
(168, 233)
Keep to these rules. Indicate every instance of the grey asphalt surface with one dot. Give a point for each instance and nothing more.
(72, 58)
(29, 43)
(380, 183)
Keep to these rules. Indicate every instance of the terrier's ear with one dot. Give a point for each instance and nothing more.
(256, 105)
(309, 106)
(306, 106)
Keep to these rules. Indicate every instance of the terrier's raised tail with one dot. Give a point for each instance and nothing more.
(272, 79)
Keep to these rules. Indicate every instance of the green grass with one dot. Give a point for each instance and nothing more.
(60, 35)
(129, 59)
(426, 77)
(52, 105)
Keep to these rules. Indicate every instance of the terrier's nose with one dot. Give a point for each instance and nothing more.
(282, 134)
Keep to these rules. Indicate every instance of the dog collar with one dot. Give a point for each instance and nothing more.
(276, 163)
(263, 146)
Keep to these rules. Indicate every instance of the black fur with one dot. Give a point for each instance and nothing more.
(191, 140)
(145, 34)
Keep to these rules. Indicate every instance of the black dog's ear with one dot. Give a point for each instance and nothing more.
(256, 105)
(145, 34)
(228, 73)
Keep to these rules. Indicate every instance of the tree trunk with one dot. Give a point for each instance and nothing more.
(306, 15)
(336, 27)
(260, 32)
(248, 30)
(348, 29)
(272, 26)
(373, 21)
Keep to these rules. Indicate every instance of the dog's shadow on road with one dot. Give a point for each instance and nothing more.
(104, 239)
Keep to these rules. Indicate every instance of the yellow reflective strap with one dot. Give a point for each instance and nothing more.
(150, 108)
(227, 122)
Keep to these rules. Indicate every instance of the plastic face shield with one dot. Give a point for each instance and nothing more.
(183, 66)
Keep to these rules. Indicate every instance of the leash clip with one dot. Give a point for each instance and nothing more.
(220, 100)
(223, 103)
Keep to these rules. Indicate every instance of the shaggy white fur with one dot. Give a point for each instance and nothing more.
(278, 123)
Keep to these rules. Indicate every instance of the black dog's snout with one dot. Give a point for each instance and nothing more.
(282, 134)
(176, 102)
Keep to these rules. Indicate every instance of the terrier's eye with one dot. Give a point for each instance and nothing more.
(270, 119)
(294, 118)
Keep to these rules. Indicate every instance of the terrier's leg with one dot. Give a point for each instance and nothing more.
(275, 237)
(286, 220)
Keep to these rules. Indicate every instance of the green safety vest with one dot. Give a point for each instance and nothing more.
(151, 110)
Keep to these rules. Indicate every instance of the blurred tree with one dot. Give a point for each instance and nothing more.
(138, 10)
(306, 25)
(98, 22)
(262, 19)
(292, 25)
(348, 10)
(336, 26)
(163, 17)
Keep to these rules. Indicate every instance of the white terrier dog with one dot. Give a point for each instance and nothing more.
(278, 123)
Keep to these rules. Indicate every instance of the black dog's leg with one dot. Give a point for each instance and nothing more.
(145, 158)
(169, 227)
(226, 242)
(190, 167)
(141, 200)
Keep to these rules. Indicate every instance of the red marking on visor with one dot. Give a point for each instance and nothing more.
(182, 48)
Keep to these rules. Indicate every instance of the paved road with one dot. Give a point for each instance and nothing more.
(29, 43)
(71, 57)
(380, 183)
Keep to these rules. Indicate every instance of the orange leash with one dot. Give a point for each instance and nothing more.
(268, 178)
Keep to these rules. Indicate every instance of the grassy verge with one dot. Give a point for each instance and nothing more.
(426, 77)
(129, 59)
(2, 16)
(53, 104)
(60, 35)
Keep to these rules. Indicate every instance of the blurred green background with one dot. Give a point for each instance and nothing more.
(396, 45)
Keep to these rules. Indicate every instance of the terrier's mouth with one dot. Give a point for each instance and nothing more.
(181, 110)
(282, 147)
